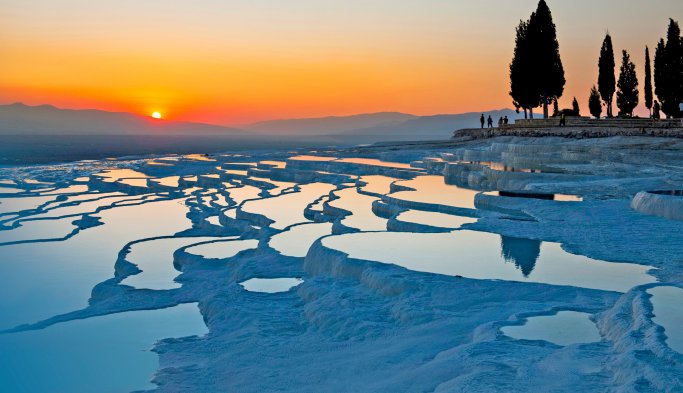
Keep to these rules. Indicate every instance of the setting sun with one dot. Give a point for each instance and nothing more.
(156, 115)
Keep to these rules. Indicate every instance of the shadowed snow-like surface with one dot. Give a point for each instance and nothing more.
(507, 264)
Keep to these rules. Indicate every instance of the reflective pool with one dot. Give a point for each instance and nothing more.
(434, 219)
(433, 190)
(482, 255)
(155, 259)
(360, 206)
(295, 203)
(222, 249)
(563, 328)
(271, 285)
(296, 241)
(102, 354)
(667, 307)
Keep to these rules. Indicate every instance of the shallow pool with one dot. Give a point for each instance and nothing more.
(483, 255)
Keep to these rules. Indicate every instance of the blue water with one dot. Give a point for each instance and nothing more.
(103, 354)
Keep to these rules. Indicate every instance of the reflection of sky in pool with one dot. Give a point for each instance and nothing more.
(296, 241)
(667, 304)
(155, 259)
(377, 184)
(483, 255)
(434, 219)
(360, 206)
(563, 328)
(222, 249)
(65, 272)
(432, 189)
(101, 354)
(295, 204)
(271, 285)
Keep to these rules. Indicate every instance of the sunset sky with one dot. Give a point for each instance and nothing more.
(239, 61)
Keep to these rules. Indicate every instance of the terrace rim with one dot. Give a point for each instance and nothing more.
(579, 127)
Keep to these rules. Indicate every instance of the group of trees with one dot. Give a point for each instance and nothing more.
(669, 71)
(536, 72)
(668, 78)
(537, 76)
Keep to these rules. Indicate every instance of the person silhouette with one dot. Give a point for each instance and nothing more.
(655, 110)
(500, 122)
(481, 120)
(563, 120)
(490, 122)
(505, 120)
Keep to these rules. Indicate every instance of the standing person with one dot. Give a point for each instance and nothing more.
(500, 122)
(655, 110)
(505, 120)
(481, 120)
(490, 121)
(563, 120)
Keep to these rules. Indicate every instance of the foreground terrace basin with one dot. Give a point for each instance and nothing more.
(375, 268)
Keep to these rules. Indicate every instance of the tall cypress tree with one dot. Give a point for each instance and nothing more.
(669, 71)
(521, 79)
(547, 65)
(606, 80)
(575, 107)
(674, 62)
(594, 103)
(648, 81)
(627, 94)
(661, 82)
(662, 86)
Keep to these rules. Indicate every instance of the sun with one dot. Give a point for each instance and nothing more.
(156, 115)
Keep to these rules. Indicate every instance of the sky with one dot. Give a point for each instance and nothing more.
(239, 61)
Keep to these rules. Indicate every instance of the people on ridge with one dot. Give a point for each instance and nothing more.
(490, 122)
(505, 120)
(482, 120)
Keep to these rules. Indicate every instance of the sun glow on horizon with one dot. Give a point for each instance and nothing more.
(156, 115)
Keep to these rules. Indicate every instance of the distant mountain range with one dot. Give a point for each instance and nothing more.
(329, 125)
(379, 126)
(20, 119)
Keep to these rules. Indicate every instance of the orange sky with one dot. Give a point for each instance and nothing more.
(232, 62)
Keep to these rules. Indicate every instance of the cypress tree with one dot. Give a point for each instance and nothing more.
(627, 94)
(606, 80)
(594, 103)
(521, 79)
(546, 65)
(648, 81)
(575, 107)
(661, 77)
(669, 71)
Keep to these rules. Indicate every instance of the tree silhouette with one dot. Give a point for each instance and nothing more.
(546, 65)
(627, 94)
(575, 107)
(669, 71)
(648, 81)
(594, 103)
(606, 80)
(521, 77)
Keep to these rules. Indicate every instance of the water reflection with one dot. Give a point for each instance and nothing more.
(666, 304)
(563, 328)
(103, 354)
(433, 190)
(271, 285)
(522, 252)
(478, 255)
